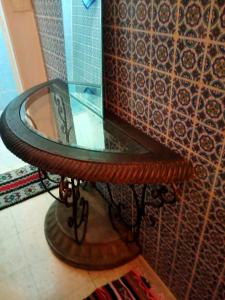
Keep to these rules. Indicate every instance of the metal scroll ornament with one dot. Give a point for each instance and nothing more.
(69, 195)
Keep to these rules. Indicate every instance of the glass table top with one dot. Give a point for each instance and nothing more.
(63, 113)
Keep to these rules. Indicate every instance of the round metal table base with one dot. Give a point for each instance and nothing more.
(102, 247)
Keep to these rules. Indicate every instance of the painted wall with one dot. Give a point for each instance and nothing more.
(8, 88)
(25, 41)
(165, 74)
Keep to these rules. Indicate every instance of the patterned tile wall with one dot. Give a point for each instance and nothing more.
(49, 19)
(165, 74)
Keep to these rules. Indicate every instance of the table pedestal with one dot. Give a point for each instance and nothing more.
(102, 248)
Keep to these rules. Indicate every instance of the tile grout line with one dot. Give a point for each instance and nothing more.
(206, 221)
(196, 39)
(215, 178)
(177, 143)
(116, 52)
(197, 83)
(219, 282)
(165, 106)
(150, 64)
(176, 37)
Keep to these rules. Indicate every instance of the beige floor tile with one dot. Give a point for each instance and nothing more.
(12, 256)
(7, 225)
(56, 280)
(31, 213)
(29, 270)
(18, 286)
(35, 245)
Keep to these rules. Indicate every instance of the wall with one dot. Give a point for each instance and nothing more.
(165, 74)
(25, 42)
(8, 88)
(49, 19)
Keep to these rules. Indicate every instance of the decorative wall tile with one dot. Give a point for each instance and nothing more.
(164, 16)
(196, 197)
(192, 218)
(141, 47)
(123, 13)
(124, 115)
(181, 128)
(179, 285)
(109, 40)
(162, 52)
(140, 125)
(123, 42)
(125, 99)
(207, 142)
(185, 96)
(109, 12)
(111, 92)
(143, 12)
(211, 110)
(188, 237)
(169, 219)
(189, 59)
(160, 87)
(214, 69)
(185, 258)
(217, 22)
(211, 258)
(110, 70)
(165, 260)
(204, 282)
(176, 147)
(204, 173)
(156, 135)
(141, 79)
(140, 107)
(194, 18)
(158, 116)
(221, 291)
(217, 213)
(220, 185)
(214, 236)
(125, 73)
(150, 247)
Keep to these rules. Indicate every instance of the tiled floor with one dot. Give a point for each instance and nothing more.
(29, 270)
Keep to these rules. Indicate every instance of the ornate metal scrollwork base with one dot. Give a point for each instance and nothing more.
(159, 196)
(69, 195)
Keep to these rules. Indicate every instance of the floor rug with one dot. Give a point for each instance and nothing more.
(22, 184)
(132, 286)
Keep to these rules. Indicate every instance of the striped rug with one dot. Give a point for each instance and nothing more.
(132, 286)
(21, 184)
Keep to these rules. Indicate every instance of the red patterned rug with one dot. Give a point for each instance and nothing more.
(22, 184)
(131, 286)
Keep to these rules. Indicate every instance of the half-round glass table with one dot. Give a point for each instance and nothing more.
(51, 127)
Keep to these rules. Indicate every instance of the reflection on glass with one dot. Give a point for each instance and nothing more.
(83, 48)
(56, 114)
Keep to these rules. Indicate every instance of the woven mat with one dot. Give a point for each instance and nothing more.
(22, 184)
(132, 286)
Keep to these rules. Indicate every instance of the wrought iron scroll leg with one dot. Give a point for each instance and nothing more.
(83, 215)
(140, 208)
(40, 172)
